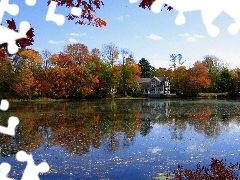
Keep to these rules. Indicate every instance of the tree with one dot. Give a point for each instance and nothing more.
(198, 77)
(26, 73)
(226, 82)
(78, 52)
(181, 78)
(110, 53)
(6, 79)
(25, 84)
(126, 54)
(129, 77)
(147, 71)
(214, 67)
(62, 60)
(176, 59)
(236, 79)
(60, 85)
(46, 54)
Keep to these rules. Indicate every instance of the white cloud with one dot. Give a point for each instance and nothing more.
(76, 34)
(55, 42)
(192, 38)
(72, 40)
(154, 37)
(154, 150)
(120, 18)
(196, 148)
(184, 35)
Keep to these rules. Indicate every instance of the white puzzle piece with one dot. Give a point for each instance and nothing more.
(210, 10)
(31, 171)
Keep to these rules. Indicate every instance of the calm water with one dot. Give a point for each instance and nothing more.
(124, 139)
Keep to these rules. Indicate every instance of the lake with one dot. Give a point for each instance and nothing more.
(121, 139)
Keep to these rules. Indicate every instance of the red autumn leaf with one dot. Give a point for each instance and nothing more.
(11, 24)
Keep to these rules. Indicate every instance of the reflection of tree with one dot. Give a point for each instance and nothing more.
(75, 126)
(128, 140)
(200, 118)
(176, 128)
(111, 143)
(209, 118)
(146, 127)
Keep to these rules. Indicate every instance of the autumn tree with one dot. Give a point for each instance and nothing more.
(7, 77)
(59, 85)
(236, 80)
(78, 52)
(26, 71)
(199, 79)
(180, 81)
(130, 75)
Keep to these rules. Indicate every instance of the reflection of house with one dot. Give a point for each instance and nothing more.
(155, 110)
(154, 87)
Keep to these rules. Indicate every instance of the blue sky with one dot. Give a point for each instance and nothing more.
(146, 34)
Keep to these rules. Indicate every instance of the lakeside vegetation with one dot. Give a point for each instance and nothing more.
(78, 73)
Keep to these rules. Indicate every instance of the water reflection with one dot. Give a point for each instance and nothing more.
(117, 126)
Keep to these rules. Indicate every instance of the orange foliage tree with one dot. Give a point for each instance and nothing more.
(6, 70)
(27, 67)
(198, 77)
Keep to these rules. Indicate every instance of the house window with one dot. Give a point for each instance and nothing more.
(153, 83)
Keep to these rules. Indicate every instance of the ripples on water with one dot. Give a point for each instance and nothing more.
(128, 139)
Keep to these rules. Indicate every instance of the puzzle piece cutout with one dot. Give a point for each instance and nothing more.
(12, 121)
(209, 11)
(31, 171)
(4, 105)
(4, 170)
(30, 2)
(12, 9)
(59, 19)
(9, 36)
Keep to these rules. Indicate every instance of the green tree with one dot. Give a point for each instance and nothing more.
(147, 70)
(214, 67)
(129, 78)
(226, 82)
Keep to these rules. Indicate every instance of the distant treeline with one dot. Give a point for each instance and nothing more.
(78, 72)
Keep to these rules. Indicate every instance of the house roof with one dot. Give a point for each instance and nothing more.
(147, 80)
